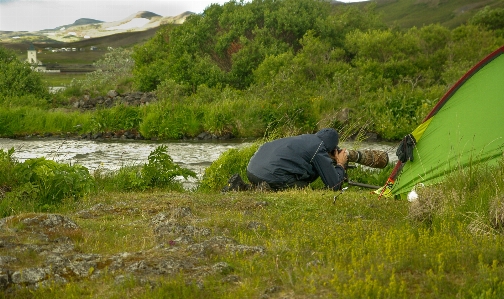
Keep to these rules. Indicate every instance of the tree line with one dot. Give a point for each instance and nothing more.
(247, 67)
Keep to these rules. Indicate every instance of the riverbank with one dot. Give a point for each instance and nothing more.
(111, 154)
(130, 135)
(142, 116)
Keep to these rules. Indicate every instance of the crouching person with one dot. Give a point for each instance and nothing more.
(295, 162)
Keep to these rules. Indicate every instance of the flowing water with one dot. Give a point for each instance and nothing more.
(113, 154)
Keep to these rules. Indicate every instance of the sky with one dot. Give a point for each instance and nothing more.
(33, 15)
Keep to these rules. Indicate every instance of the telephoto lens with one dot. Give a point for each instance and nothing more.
(370, 158)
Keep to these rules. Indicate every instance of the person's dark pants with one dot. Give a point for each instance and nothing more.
(276, 186)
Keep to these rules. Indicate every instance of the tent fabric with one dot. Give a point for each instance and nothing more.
(465, 128)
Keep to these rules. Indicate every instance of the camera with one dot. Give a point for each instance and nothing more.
(370, 158)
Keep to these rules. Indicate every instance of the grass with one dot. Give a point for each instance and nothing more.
(306, 243)
(61, 79)
(358, 247)
(77, 57)
(25, 121)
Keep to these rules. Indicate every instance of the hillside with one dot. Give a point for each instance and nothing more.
(84, 29)
(449, 13)
(84, 34)
(137, 28)
(82, 21)
(81, 60)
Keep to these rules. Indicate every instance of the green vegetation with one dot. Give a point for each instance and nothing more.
(42, 185)
(113, 69)
(262, 69)
(448, 244)
(60, 79)
(492, 19)
(17, 79)
(22, 121)
(238, 71)
(159, 172)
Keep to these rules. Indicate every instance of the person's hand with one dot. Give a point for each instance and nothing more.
(341, 157)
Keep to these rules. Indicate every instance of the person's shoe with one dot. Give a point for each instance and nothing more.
(235, 183)
(264, 187)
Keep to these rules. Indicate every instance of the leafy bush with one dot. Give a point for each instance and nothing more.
(492, 19)
(17, 79)
(54, 181)
(39, 184)
(159, 172)
(226, 43)
(230, 162)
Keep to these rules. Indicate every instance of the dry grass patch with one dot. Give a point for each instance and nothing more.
(497, 212)
(429, 203)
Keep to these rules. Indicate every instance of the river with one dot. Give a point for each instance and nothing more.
(113, 154)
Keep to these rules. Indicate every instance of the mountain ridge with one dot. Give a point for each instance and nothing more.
(81, 21)
(86, 28)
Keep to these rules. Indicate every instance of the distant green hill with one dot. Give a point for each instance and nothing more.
(449, 13)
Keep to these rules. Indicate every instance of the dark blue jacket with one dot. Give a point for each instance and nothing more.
(299, 158)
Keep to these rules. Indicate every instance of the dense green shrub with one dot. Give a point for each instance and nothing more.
(17, 79)
(161, 171)
(225, 44)
(492, 19)
(244, 67)
(55, 181)
(45, 184)
(42, 183)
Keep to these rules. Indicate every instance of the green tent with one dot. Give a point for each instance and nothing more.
(465, 128)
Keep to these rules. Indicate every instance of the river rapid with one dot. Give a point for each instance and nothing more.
(114, 154)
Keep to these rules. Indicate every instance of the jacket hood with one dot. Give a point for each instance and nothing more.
(330, 138)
